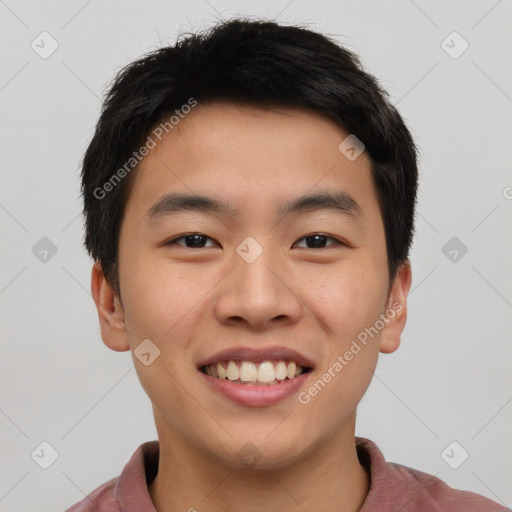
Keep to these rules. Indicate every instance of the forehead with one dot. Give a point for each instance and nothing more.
(253, 158)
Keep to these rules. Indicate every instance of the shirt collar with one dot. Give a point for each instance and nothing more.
(132, 487)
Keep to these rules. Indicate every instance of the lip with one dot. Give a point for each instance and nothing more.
(253, 395)
(258, 355)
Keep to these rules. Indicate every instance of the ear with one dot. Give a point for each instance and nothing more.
(110, 311)
(396, 309)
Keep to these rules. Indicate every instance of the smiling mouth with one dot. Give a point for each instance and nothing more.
(266, 373)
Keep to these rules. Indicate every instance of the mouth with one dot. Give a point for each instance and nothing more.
(270, 372)
(256, 377)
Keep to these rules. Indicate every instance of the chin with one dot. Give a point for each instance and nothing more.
(259, 453)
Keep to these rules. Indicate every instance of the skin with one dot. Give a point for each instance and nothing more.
(192, 302)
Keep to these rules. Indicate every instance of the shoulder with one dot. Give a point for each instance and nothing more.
(395, 487)
(103, 498)
(427, 492)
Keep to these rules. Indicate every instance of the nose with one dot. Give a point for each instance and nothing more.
(260, 294)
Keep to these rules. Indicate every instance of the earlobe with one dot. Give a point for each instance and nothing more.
(110, 311)
(396, 311)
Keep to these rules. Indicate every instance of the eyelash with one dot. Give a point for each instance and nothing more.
(336, 241)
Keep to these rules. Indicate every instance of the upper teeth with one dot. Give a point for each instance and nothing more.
(247, 371)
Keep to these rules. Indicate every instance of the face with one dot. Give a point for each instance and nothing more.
(252, 274)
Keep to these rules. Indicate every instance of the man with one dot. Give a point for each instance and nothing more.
(249, 197)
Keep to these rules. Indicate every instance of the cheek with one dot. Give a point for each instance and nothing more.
(150, 293)
(160, 303)
(347, 300)
(162, 299)
(350, 305)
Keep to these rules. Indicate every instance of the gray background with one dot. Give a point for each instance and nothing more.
(451, 378)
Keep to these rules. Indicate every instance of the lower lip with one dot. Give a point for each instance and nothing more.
(253, 395)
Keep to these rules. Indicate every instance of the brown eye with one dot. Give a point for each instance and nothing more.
(318, 241)
(192, 241)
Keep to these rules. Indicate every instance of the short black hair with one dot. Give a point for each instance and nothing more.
(247, 62)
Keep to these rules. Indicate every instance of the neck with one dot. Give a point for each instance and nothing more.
(329, 478)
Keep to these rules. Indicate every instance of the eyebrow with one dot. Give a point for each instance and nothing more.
(172, 203)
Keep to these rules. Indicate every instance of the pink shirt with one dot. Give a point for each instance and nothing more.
(393, 487)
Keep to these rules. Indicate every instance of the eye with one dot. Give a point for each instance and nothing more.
(191, 241)
(317, 241)
(198, 241)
